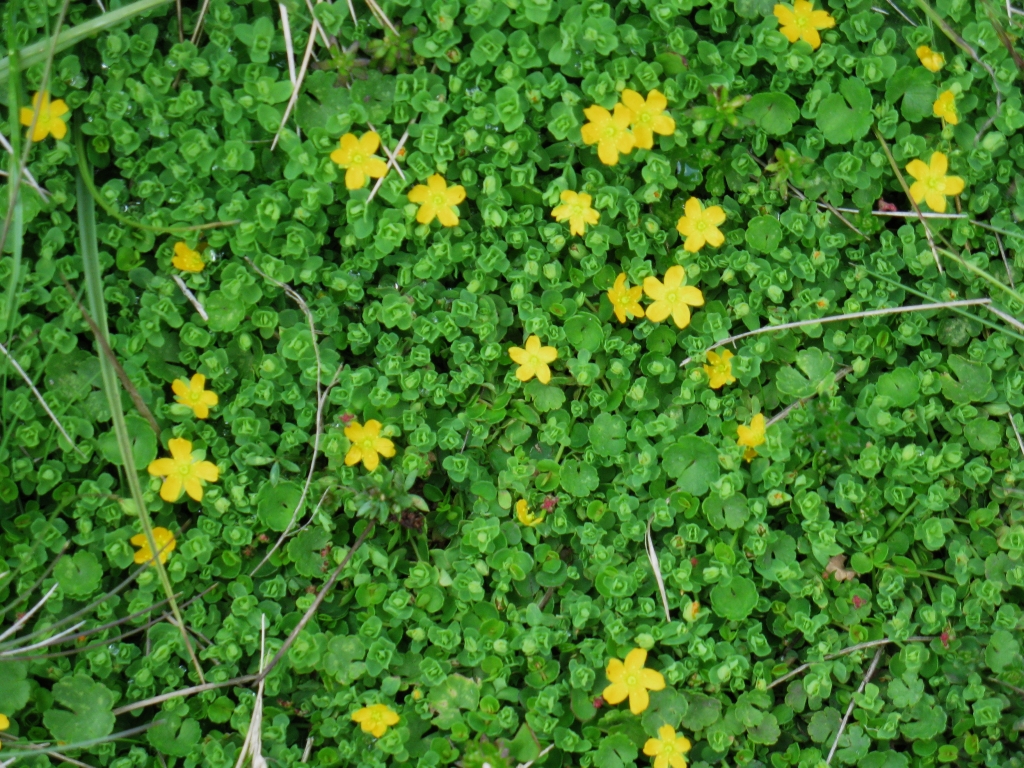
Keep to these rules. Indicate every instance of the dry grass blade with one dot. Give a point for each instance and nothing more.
(845, 652)
(101, 340)
(1006, 262)
(381, 16)
(853, 702)
(244, 680)
(949, 32)
(842, 374)
(543, 752)
(846, 316)
(320, 597)
(913, 203)
(289, 46)
(652, 555)
(94, 290)
(321, 401)
(391, 156)
(43, 643)
(392, 159)
(24, 596)
(252, 747)
(191, 297)
(1020, 441)
(42, 401)
(28, 614)
(24, 170)
(295, 89)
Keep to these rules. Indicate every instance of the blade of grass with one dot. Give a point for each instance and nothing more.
(133, 393)
(94, 291)
(14, 209)
(31, 55)
(86, 176)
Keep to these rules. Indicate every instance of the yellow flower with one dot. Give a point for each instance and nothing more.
(533, 361)
(801, 22)
(182, 470)
(49, 122)
(699, 225)
(931, 182)
(357, 158)
(610, 132)
(751, 436)
(165, 544)
(625, 300)
(367, 444)
(192, 394)
(186, 259)
(437, 199)
(4, 724)
(930, 60)
(649, 117)
(668, 749)
(375, 719)
(575, 209)
(672, 298)
(945, 107)
(720, 369)
(633, 680)
(525, 516)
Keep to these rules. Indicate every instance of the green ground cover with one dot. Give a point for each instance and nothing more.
(511, 382)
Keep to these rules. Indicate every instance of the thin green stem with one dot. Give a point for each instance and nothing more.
(94, 291)
(899, 520)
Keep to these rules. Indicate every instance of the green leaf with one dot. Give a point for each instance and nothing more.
(1001, 651)
(545, 397)
(607, 433)
(817, 374)
(80, 574)
(693, 464)
(846, 115)
(701, 712)
(901, 386)
(173, 739)
(972, 384)
(226, 313)
(455, 693)
(90, 706)
(772, 112)
(916, 86)
(764, 233)
(579, 479)
(276, 504)
(734, 601)
(983, 435)
(143, 442)
(304, 550)
(584, 331)
(14, 688)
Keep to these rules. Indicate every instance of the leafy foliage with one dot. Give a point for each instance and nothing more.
(490, 638)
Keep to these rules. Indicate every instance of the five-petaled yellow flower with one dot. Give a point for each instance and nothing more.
(719, 369)
(367, 444)
(931, 184)
(4, 723)
(633, 680)
(533, 361)
(182, 470)
(649, 117)
(930, 60)
(751, 436)
(945, 107)
(609, 131)
(625, 300)
(192, 394)
(525, 516)
(437, 200)
(356, 156)
(576, 209)
(186, 259)
(801, 22)
(668, 749)
(699, 225)
(375, 719)
(672, 297)
(49, 122)
(164, 541)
